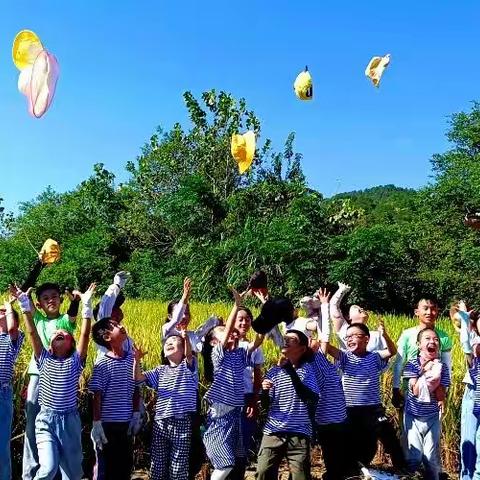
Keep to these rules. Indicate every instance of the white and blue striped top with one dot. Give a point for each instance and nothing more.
(176, 389)
(413, 369)
(361, 377)
(228, 371)
(58, 384)
(113, 378)
(257, 360)
(9, 351)
(287, 412)
(331, 407)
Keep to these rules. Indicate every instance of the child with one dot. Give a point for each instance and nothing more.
(176, 385)
(356, 315)
(222, 439)
(179, 317)
(361, 384)
(293, 392)
(427, 379)
(11, 340)
(47, 320)
(57, 426)
(307, 324)
(115, 403)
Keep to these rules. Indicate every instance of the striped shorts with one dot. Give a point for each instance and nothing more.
(223, 439)
(171, 440)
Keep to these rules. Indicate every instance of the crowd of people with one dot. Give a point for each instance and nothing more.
(324, 388)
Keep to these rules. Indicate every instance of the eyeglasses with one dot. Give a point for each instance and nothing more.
(355, 335)
(290, 340)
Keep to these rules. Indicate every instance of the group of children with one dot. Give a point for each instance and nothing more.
(316, 392)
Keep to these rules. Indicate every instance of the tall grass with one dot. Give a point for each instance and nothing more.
(144, 319)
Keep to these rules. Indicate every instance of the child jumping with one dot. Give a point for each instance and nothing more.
(11, 340)
(427, 379)
(176, 385)
(57, 425)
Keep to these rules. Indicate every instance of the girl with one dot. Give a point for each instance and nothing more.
(222, 439)
(427, 379)
(57, 426)
(176, 385)
(11, 340)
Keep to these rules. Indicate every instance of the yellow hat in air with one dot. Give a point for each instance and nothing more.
(376, 67)
(50, 252)
(303, 85)
(243, 149)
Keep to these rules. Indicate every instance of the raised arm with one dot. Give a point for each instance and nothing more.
(187, 348)
(110, 296)
(12, 324)
(331, 350)
(391, 349)
(87, 314)
(31, 331)
(335, 311)
(323, 327)
(138, 354)
(179, 308)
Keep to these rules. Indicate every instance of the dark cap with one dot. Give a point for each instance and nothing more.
(274, 311)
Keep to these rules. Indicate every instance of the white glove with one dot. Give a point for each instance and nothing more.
(24, 302)
(135, 424)
(98, 435)
(87, 310)
(121, 278)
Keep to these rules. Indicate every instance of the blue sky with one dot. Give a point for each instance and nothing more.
(124, 66)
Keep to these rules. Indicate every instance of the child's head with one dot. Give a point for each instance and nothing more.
(185, 320)
(243, 321)
(428, 343)
(427, 312)
(49, 299)
(357, 314)
(232, 340)
(107, 333)
(311, 305)
(295, 345)
(3, 318)
(62, 344)
(174, 349)
(357, 338)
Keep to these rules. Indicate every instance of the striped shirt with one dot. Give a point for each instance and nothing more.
(176, 389)
(256, 360)
(287, 412)
(331, 407)
(113, 378)
(413, 406)
(228, 371)
(58, 384)
(361, 377)
(475, 376)
(9, 350)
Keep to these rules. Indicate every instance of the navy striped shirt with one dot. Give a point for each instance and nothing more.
(331, 407)
(413, 406)
(58, 384)
(113, 378)
(475, 376)
(9, 351)
(361, 377)
(228, 371)
(176, 389)
(287, 412)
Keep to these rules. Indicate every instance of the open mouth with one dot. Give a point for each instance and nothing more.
(431, 349)
(60, 337)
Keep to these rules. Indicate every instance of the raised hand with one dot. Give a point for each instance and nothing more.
(121, 278)
(381, 326)
(187, 289)
(323, 295)
(239, 296)
(261, 296)
(138, 353)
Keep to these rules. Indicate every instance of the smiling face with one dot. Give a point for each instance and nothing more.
(357, 340)
(174, 349)
(358, 314)
(428, 344)
(49, 301)
(292, 348)
(116, 335)
(243, 322)
(61, 344)
(427, 313)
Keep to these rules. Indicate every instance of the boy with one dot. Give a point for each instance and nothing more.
(47, 320)
(361, 384)
(57, 425)
(11, 340)
(293, 392)
(115, 403)
(427, 383)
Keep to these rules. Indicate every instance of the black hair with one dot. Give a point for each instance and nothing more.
(302, 338)
(99, 329)
(47, 286)
(247, 311)
(420, 333)
(427, 298)
(361, 326)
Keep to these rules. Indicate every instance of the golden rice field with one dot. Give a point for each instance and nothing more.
(143, 321)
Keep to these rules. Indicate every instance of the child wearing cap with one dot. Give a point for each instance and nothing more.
(222, 438)
(176, 384)
(57, 425)
(47, 319)
(427, 379)
(11, 340)
(116, 415)
(361, 384)
(293, 393)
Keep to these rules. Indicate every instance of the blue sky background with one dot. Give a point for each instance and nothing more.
(124, 66)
